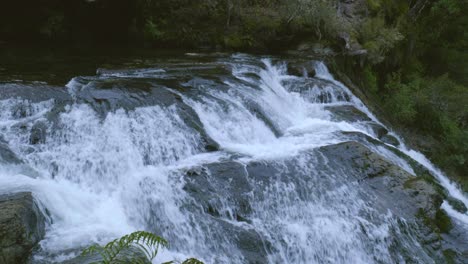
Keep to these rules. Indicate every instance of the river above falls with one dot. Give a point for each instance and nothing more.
(228, 156)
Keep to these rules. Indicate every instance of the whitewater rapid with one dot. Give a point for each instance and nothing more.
(100, 176)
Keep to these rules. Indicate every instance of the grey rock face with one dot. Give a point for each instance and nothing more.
(389, 182)
(21, 227)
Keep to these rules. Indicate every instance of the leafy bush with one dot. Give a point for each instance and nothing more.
(151, 31)
(378, 39)
(370, 80)
(319, 17)
(400, 102)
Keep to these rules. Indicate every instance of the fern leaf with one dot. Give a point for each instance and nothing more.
(145, 242)
(192, 261)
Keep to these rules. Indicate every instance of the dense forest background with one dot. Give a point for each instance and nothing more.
(410, 57)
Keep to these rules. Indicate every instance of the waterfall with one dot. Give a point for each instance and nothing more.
(130, 150)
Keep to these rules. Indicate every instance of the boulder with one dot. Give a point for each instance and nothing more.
(22, 226)
(38, 133)
(301, 69)
(389, 139)
(378, 129)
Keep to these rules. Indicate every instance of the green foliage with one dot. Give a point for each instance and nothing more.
(435, 107)
(450, 256)
(449, 7)
(388, 8)
(370, 80)
(187, 261)
(378, 38)
(443, 222)
(440, 222)
(423, 77)
(259, 25)
(151, 31)
(139, 247)
(400, 102)
(317, 17)
(237, 41)
(373, 5)
(144, 242)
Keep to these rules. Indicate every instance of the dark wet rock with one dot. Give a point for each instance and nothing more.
(38, 133)
(317, 90)
(223, 191)
(7, 155)
(253, 247)
(305, 69)
(359, 157)
(347, 113)
(111, 94)
(33, 92)
(226, 190)
(219, 186)
(415, 198)
(419, 169)
(312, 49)
(259, 112)
(383, 134)
(378, 129)
(389, 139)
(9, 159)
(457, 205)
(22, 226)
(210, 144)
(137, 73)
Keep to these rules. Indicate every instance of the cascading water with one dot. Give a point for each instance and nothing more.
(134, 150)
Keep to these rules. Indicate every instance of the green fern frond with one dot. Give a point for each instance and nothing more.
(146, 242)
(136, 242)
(192, 261)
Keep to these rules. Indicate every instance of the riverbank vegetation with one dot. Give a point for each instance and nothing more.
(409, 57)
(422, 82)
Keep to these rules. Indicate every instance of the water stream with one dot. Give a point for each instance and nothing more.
(223, 158)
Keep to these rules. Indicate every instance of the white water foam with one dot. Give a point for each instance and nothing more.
(102, 178)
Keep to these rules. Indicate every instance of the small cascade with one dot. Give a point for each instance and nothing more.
(255, 166)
